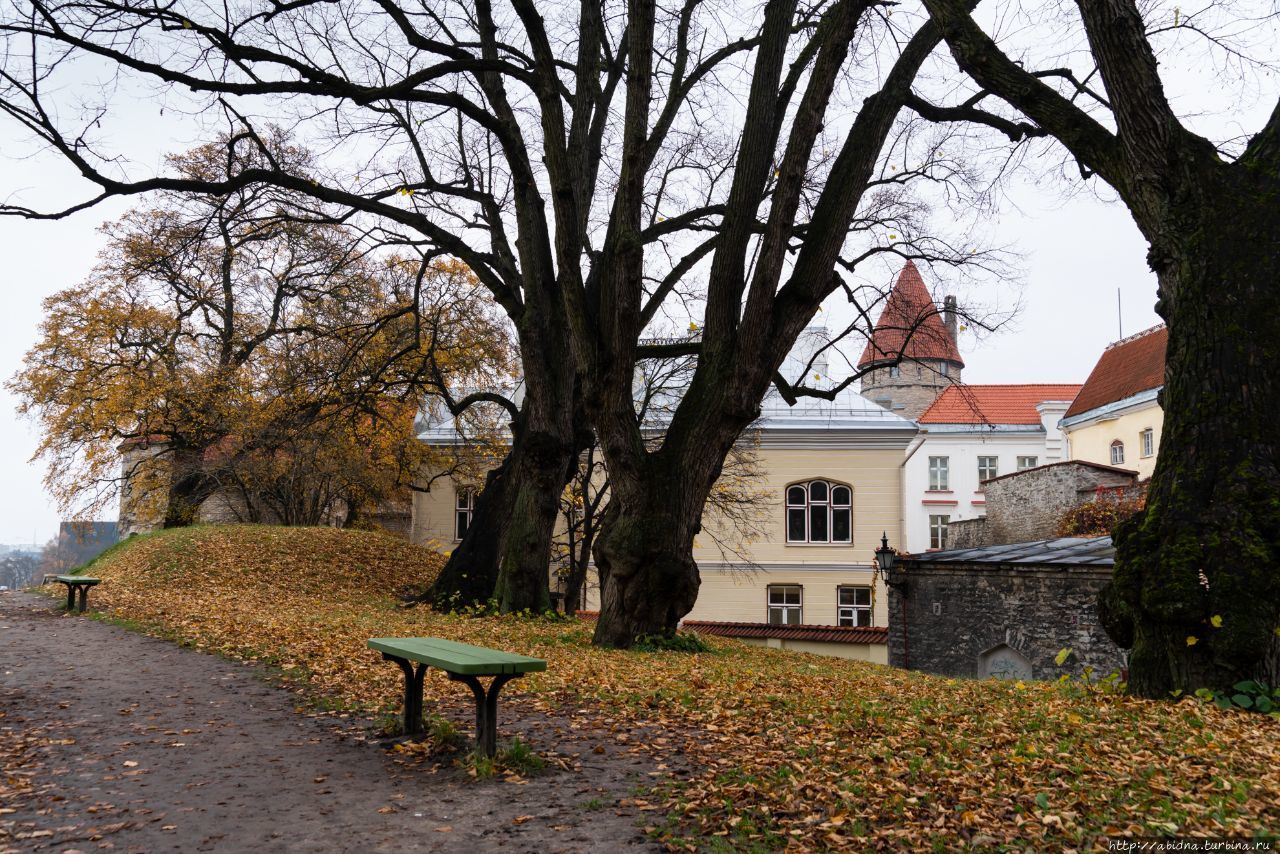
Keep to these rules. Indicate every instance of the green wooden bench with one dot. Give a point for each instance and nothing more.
(75, 584)
(464, 663)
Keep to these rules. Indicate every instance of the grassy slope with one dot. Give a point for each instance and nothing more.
(790, 748)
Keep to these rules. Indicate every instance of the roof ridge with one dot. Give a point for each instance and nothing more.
(1135, 336)
(1016, 385)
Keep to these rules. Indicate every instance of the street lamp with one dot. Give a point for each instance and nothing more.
(887, 563)
(886, 557)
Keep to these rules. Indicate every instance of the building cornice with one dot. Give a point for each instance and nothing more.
(1115, 409)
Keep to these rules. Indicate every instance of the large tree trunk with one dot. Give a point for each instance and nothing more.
(506, 552)
(539, 476)
(644, 554)
(1196, 592)
(470, 574)
(648, 577)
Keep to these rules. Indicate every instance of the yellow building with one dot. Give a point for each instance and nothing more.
(1116, 418)
(828, 485)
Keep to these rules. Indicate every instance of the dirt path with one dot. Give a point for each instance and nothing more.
(112, 740)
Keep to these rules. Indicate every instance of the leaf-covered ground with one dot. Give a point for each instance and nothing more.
(790, 749)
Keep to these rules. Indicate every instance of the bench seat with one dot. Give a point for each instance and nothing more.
(75, 584)
(464, 663)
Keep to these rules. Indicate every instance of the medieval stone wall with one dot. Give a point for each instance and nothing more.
(978, 621)
(1029, 505)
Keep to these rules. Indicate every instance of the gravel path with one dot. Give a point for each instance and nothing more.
(113, 740)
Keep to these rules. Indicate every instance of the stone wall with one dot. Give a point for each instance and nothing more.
(967, 533)
(1029, 505)
(143, 488)
(977, 621)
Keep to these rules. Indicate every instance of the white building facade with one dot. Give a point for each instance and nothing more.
(970, 434)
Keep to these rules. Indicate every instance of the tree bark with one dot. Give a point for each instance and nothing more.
(471, 572)
(648, 577)
(506, 552)
(1196, 591)
(539, 476)
(644, 555)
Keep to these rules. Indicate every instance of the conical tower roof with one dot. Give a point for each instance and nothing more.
(911, 325)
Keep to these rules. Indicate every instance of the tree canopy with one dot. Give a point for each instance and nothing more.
(252, 346)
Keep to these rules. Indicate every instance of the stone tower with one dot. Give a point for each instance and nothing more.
(920, 339)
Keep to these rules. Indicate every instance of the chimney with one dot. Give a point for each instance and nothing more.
(949, 318)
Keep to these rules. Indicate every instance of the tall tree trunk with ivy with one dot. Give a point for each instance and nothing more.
(1196, 590)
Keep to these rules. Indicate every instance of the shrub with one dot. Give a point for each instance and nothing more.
(1099, 517)
(677, 642)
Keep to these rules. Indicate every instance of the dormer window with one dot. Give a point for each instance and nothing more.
(1117, 453)
(819, 511)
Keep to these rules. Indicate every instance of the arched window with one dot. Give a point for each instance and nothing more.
(819, 511)
(1117, 453)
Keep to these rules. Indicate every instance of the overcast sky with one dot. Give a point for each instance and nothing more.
(1075, 252)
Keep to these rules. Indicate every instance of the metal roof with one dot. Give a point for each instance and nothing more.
(1064, 551)
(849, 415)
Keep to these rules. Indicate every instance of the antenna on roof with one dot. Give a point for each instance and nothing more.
(1119, 314)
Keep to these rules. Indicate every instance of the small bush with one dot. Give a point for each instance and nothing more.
(1099, 517)
(1250, 695)
(677, 642)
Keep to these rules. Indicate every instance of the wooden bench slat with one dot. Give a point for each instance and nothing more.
(457, 657)
(76, 579)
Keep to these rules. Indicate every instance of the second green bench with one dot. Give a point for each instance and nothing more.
(463, 663)
(75, 584)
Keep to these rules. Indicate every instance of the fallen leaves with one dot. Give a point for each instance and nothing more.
(783, 749)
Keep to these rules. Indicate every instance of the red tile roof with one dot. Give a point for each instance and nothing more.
(1127, 367)
(910, 324)
(994, 404)
(820, 634)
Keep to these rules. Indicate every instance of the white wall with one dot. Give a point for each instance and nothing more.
(964, 499)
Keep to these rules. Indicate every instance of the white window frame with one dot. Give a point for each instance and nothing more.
(1148, 442)
(782, 607)
(832, 506)
(994, 468)
(464, 507)
(849, 614)
(1027, 462)
(1117, 453)
(938, 530)
(939, 474)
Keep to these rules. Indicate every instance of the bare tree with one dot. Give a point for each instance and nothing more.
(1195, 595)
(588, 162)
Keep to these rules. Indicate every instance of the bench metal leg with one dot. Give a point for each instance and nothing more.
(486, 708)
(412, 692)
(84, 597)
(71, 596)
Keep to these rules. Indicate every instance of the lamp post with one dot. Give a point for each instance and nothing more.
(887, 562)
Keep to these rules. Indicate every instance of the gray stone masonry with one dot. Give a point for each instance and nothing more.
(967, 533)
(916, 387)
(977, 621)
(1029, 505)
